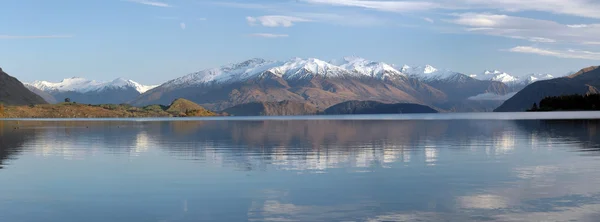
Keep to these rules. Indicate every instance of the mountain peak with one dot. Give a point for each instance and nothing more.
(429, 69)
(583, 71)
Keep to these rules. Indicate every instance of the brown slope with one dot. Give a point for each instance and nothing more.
(318, 91)
(583, 82)
(13, 92)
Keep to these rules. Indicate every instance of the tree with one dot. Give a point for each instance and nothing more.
(67, 100)
(534, 107)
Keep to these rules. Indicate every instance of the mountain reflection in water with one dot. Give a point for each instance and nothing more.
(300, 170)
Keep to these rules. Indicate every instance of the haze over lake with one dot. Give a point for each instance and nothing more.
(438, 167)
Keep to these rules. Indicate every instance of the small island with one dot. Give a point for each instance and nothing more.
(68, 109)
(589, 102)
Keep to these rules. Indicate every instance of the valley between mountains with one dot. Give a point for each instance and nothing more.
(307, 86)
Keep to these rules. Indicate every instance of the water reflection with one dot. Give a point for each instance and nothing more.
(318, 170)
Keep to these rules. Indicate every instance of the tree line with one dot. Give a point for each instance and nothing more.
(568, 103)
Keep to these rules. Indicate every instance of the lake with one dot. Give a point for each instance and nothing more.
(433, 167)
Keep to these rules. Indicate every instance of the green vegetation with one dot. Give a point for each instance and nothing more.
(179, 108)
(568, 103)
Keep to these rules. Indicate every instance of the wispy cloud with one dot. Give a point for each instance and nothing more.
(275, 20)
(391, 6)
(151, 3)
(35, 36)
(534, 30)
(430, 20)
(201, 19)
(579, 8)
(182, 26)
(268, 35)
(570, 53)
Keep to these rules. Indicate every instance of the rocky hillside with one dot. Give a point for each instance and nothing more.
(13, 92)
(283, 108)
(586, 81)
(373, 107)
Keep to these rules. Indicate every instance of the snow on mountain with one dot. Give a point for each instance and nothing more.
(81, 85)
(531, 78)
(366, 67)
(427, 72)
(226, 73)
(295, 68)
(511, 79)
(498, 76)
(298, 68)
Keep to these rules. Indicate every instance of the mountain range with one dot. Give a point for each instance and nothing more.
(89, 91)
(317, 83)
(322, 84)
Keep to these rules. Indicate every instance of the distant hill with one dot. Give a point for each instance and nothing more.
(586, 81)
(283, 108)
(188, 108)
(13, 92)
(569, 103)
(373, 107)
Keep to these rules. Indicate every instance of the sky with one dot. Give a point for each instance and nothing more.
(152, 41)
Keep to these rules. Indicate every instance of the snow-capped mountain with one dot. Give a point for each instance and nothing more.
(366, 67)
(81, 85)
(511, 80)
(531, 78)
(298, 68)
(319, 82)
(293, 69)
(428, 73)
(89, 91)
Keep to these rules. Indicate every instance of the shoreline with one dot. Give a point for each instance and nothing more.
(569, 115)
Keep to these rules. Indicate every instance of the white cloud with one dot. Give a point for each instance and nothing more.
(35, 36)
(500, 21)
(580, 8)
(354, 19)
(269, 35)
(390, 6)
(578, 26)
(182, 25)
(201, 19)
(570, 53)
(430, 20)
(151, 3)
(534, 39)
(534, 30)
(275, 20)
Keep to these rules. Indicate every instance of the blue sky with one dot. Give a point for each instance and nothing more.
(151, 41)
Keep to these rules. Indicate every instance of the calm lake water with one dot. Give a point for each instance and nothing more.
(441, 167)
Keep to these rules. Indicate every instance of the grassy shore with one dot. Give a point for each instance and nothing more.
(179, 108)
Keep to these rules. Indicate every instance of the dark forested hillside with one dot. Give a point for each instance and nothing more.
(568, 103)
